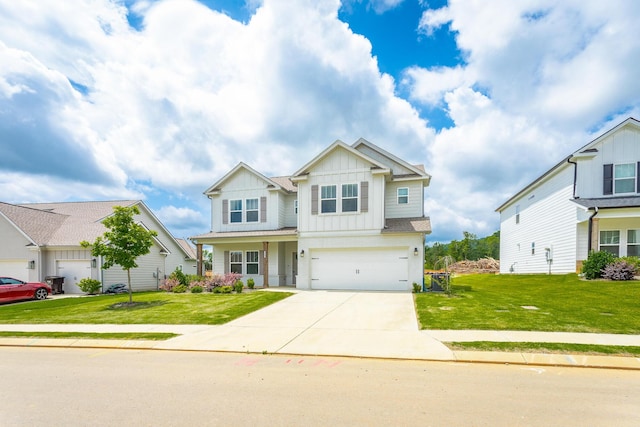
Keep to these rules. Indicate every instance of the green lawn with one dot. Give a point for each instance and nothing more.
(158, 308)
(564, 303)
(546, 347)
(150, 336)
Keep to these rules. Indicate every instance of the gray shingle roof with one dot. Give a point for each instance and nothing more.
(610, 202)
(293, 231)
(187, 248)
(408, 225)
(38, 225)
(284, 182)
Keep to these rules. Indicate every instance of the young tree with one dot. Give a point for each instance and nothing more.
(123, 242)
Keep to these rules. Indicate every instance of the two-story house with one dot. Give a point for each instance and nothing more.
(351, 218)
(589, 201)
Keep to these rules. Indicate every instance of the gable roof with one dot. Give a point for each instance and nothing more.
(36, 225)
(335, 146)
(581, 152)
(188, 249)
(215, 188)
(415, 170)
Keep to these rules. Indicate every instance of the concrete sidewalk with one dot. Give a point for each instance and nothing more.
(356, 324)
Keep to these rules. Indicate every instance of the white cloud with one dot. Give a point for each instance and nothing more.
(182, 219)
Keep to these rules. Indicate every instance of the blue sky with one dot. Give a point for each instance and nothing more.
(156, 100)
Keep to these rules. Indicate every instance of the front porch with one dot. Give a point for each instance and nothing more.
(270, 258)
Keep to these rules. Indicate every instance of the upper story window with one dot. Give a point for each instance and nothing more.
(619, 179)
(403, 196)
(349, 197)
(235, 211)
(252, 210)
(328, 199)
(624, 177)
(517, 214)
(295, 207)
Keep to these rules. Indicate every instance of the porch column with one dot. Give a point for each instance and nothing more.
(595, 234)
(199, 263)
(265, 264)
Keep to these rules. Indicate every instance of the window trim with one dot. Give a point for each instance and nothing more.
(252, 263)
(236, 262)
(609, 245)
(633, 244)
(627, 178)
(322, 199)
(295, 207)
(232, 211)
(399, 196)
(256, 210)
(356, 197)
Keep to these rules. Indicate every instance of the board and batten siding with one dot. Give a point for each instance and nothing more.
(337, 168)
(622, 146)
(547, 220)
(415, 207)
(147, 277)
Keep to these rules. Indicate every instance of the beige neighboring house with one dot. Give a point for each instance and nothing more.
(350, 218)
(43, 239)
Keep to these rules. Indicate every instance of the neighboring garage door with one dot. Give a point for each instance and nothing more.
(360, 269)
(73, 271)
(15, 268)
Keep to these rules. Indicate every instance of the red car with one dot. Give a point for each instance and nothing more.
(13, 290)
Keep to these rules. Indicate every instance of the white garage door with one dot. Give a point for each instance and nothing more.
(73, 271)
(15, 268)
(360, 269)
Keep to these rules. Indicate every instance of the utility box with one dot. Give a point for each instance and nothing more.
(56, 283)
(439, 281)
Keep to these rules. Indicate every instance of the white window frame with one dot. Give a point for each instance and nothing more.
(402, 199)
(256, 210)
(633, 242)
(295, 207)
(603, 246)
(329, 199)
(235, 211)
(344, 198)
(617, 179)
(251, 255)
(235, 259)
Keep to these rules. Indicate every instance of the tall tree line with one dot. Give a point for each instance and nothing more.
(469, 248)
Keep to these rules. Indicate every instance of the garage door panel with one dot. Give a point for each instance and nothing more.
(358, 269)
(73, 271)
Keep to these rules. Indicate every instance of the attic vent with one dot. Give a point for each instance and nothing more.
(590, 150)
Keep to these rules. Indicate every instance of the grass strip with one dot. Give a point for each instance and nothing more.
(546, 347)
(150, 336)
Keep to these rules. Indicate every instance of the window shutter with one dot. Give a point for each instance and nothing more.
(364, 196)
(314, 200)
(263, 209)
(607, 186)
(225, 211)
(226, 262)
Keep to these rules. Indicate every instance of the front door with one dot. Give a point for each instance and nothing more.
(294, 266)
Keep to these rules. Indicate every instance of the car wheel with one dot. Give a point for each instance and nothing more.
(40, 294)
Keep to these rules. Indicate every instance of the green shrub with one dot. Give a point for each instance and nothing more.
(196, 289)
(251, 283)
(619, 270)
(222, 290)
(595, 263)
(179, 276)
(238, 286)
(89, 286)
(416, 288)
(179, 289)
(632, 260)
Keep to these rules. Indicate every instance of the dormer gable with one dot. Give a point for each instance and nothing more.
(398, 167)
(240, 168)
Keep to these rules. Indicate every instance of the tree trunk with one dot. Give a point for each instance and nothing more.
(129, 283)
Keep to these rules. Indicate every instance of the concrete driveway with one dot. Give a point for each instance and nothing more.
(373, 324)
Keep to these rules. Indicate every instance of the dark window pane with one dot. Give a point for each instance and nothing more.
(349, 205)
(328, 206)
(236, 216)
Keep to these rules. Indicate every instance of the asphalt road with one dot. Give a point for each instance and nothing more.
(94, 387)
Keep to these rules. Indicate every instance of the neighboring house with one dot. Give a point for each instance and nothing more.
(43, 239)
(590, 201)
(351, 218)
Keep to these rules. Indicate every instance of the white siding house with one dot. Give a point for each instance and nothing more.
(588, 201)
(339, 222)
(43, 239)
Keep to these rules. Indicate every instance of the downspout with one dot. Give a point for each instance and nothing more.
(595, 212)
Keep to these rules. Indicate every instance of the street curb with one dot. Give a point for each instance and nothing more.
(486, 357)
